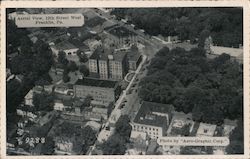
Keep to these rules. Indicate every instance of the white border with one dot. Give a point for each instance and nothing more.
(123, 4)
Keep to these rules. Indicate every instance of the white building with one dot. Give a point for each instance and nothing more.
(153, 119)
(64, 46)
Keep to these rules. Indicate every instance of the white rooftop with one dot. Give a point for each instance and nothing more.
(136, 135)
(234, 52)
(206, 129)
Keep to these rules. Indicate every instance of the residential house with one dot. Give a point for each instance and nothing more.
(64, 89)
(140, 142)
(206, 130)
(63, 145)
(93, 44)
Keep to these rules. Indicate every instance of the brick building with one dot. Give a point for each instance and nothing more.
(102, 91)
(107, 64)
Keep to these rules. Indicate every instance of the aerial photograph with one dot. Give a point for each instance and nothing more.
(128, 81)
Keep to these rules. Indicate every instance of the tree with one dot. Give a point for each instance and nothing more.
(84, 70)
(72, 66)
(163, 52)
(203, 36)
(236, 138)
(43, 101)
(66, 78)
(123, 128)
(86, 102)
(48, 147)
(82, 57)
(62, 58)
(115, 145)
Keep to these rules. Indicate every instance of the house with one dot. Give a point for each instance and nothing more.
(211, 49)
(206, 130)
(46, 118)
(105, 134)
(58, 105)
(48, 88)
(64, 89)
(228, 127)
(235, 53)
(27, 111)
(102, 111)
(64, 46)
(63, 145)
(28, 99)
(89, 115)
(93, 44)
(140, 142)
(62, 105)
(121, 36)
(94, 125)
(180, 123)
(153, 119)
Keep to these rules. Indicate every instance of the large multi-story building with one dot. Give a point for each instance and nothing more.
(108, 65)
(134, 59)
(153, 119)
(102, 91)
(117, 65)
(103, 67)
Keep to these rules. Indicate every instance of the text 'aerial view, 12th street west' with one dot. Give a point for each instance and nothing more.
(124, 81)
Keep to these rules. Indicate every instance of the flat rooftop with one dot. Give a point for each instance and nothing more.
(206, 129)
(96, 82)
(147, 114)
(102, 54)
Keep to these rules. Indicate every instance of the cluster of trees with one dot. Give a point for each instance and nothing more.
(33, 62)
(116, 144)
(210, 89)
(225, 24)
(43, 101)
(71, 66)
(82, 138)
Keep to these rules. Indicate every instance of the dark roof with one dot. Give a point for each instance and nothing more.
(119, 56)
(102, 54)
(96, 53)
(96, 82)
(145, 115)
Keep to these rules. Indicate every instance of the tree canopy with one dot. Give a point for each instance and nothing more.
(224, 24)
(209, 88)
(33, 61)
